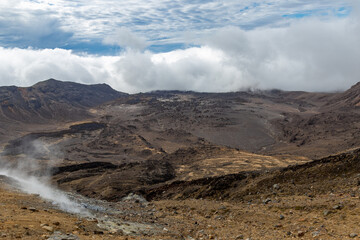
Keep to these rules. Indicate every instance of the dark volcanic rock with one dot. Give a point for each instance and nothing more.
(323, 175)
(28, 144)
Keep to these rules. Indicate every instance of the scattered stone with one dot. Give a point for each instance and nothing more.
(48, 228)
(301, 233)
(266, 201)
(56, 223)
(315, 234)
(278, 225)
(338, 207)
(61, 236)
(32, 209)
(98, 232)
(222, 208)
(326, 212)
(132, 197)
(281, 217)
(239, 237)
(276, 186)
(352, 235)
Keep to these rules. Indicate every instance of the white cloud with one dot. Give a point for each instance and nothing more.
(123, 37)
(311, 54)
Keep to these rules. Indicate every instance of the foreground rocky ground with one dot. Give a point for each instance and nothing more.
(316, 200)
(327, 216)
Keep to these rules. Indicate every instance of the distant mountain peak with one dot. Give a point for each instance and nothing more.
(53, 99)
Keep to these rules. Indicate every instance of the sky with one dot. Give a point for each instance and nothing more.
(199, 45)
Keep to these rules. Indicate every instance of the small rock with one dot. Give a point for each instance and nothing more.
(301, 233)
(315, 234)
(278, 226)
(222, 208)
(98, 232)
(266, 201)
(239, 237)
(281, 217)
(48, 228)
(352, 235)
(326, 212)
(338, 207)
(32, 209)
(135, 198)
(56, 223)
(93, 220)
(276, 186)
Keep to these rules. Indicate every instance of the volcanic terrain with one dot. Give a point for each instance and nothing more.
(182, 165)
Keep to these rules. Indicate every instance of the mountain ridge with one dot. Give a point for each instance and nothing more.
(53, 99)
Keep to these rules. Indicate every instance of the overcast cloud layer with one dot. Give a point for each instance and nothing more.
(223, 46)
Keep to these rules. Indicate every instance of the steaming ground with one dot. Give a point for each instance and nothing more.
(22, 170)
(32, 185)
(103, 216)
